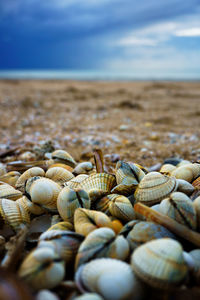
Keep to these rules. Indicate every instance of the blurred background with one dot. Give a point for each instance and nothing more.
(90, 38)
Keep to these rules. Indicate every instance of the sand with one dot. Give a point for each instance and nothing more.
(144, 122)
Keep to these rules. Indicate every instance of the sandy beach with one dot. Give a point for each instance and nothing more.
(144, 122)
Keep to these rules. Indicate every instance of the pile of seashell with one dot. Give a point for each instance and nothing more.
(88, 231)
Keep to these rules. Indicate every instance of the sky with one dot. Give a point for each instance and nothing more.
(148, 37)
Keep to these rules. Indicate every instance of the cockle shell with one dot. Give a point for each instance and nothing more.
(86, 220)
(185, 187)
(83, 168)
(69, 200)
(30, 206)
(143, 232)
(10, 178)
(59, 175)
(196, 205)
(45, 192)
(196, 183)
(187, 172)
(121, 208)
(42, 268)
(63, 157)
(160, 263)
(102, 205)
(128, 175)
(102, 242)
(14, 214)
(180, 208)
(89, 296)
(98, 185)
(35, 171)
(62, 226)
(111, 278)
(75, 182)
(154, 187)
(9, 192)
(167, 168)
(65, 243)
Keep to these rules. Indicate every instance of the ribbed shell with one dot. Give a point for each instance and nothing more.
(111, 278)
(144, 232)
(59, 175)
(75, 182)
(187, 172)
(160, 263)
(154, 187)
(45, 192)
(10, 177)
(83, 168)
(8, 192)
(30, 206)
(121, 208)
(86, 220)
(180, 208)
(196, 205)
(102, 205)
(14, 214)
(196, 183)
(42, 269)
(98, 185)
(35, 171)
(65, 243)
(69, 200)
(62, 226)
(102, 242)
(63, 157)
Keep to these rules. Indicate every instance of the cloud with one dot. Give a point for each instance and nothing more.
(190, 32)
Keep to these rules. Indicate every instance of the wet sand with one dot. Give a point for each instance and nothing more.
(144, 122)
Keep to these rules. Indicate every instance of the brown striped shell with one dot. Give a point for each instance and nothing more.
(69, 200)
(154, 187)
(35, 171)
(62, 226)
(9, 192)
(180, 208)
(121, 208)
(160, 263)
(62, 156)
(75, 182)
(102, 242)
(187, 172)
(10, 177)
(196, 205)
(59, 175)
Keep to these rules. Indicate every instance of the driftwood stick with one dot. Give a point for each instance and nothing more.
(175, 227)
(98, 159)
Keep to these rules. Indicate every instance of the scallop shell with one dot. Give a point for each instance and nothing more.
(111, 278)
(86, 220)
(59, 175)
(98, 185)
(83, 168)
(69, 200)
(75, 182)
(63, 157)
(121, 208)
(154, 187)
(160, 263)
(42, 269)
(187, 172)
(102, 242)
(180, 208)
(10, 178)
(45, 192)
(14, 214)
(35, 171)
(9, 192)
(65, 243)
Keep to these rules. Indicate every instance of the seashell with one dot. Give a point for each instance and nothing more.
(98, 185)
(75, 182)
(196, 205)
(2, 169)
(183, 162)
(167, 168)
(102, 205)
(121, 208)
(89, 296)
(37, 227)
(62, 226)
(160, 263)
(180, 208)
(154, 187)
(83, 168)
(62, 156)
(196, 183)
(9, 192)
(185, 187)
(65, 243)
(60, 165)
(45, 192)
(59, 175)
(30, 206)
(143, 232)
(128, 227)
(172, 161)
(86, 220)
(42, 269)
(10, 178)
(14, 214)
(102, 242)
(35, 171)
(23, 166)
(111, 278)
(187, 172)
(116, 225)
(195, 268)
(128, 175)
(69, 200)
(46, 295)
